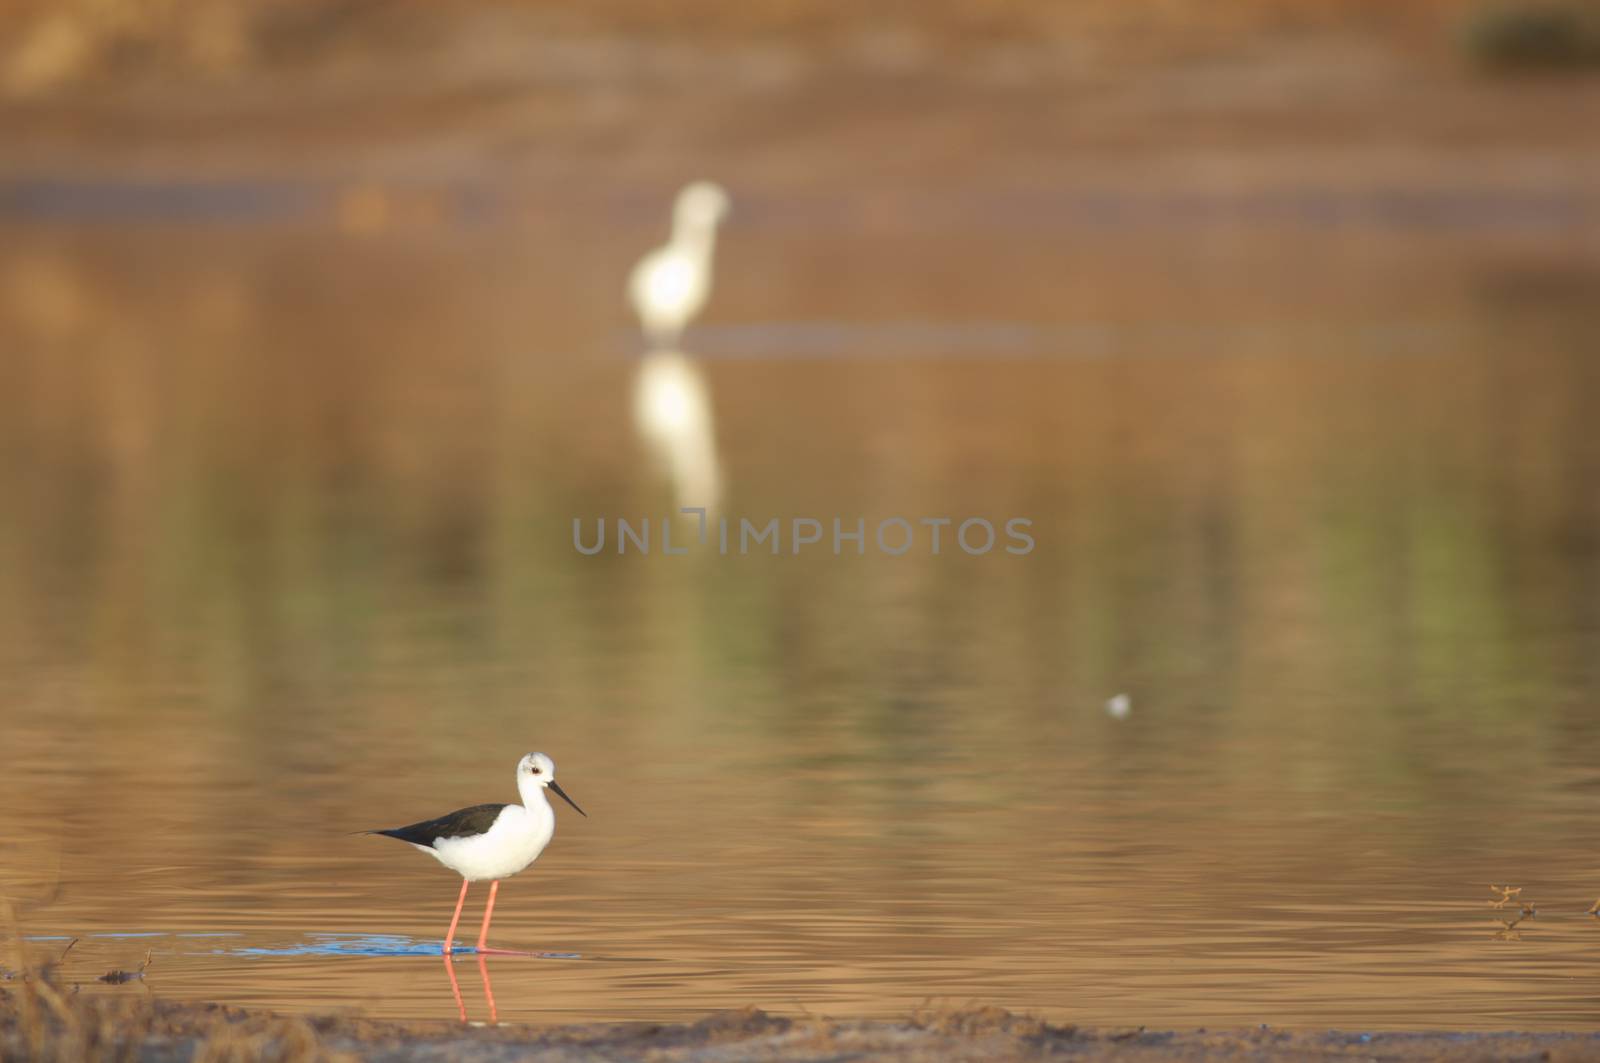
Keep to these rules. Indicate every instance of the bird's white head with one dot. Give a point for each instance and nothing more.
(537, 771)
(536, 767)
(701, 204)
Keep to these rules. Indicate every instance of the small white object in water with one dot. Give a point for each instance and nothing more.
(1119, 707)
(670, 284)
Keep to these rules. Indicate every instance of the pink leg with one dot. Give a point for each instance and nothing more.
(483, 937)
(450, 935)
(488, 990)
(455, 988)
(488, 913)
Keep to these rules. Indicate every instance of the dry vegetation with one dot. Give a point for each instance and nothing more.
(1548, 35)
(41, 1019)
(49, 45)
(654, 90)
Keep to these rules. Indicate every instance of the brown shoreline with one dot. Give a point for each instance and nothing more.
(497, 92)
(50, 1021)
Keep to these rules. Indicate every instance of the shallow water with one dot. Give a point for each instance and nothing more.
(286, 553)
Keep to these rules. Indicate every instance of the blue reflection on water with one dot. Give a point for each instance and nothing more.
(370, 945)
(315, 945)
(346, 945)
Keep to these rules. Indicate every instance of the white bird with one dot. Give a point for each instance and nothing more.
(670, 284)
(491, 841)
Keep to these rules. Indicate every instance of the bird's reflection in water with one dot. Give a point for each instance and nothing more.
(488, 990)
(672, 411)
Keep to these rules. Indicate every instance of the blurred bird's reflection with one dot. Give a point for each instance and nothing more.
(672, 412)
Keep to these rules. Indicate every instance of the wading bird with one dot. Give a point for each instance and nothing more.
(491, 841)
(670, 284)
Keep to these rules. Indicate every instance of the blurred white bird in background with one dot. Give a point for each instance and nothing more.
(670, 284)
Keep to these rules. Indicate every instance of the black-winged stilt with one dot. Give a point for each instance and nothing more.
(670, 284)
(491, 841)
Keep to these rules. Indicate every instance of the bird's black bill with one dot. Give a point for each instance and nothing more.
(563, 795)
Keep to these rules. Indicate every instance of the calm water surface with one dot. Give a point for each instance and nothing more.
(286, 553)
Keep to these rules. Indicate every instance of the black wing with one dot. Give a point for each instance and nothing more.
(462, 823)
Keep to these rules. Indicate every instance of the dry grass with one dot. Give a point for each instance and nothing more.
(42, 1018)
(47, 45)
(1547, 35)
(45, 1018)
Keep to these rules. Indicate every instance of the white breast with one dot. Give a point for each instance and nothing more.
(515, 841)
(668, 288)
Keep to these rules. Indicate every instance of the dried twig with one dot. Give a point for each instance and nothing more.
(117, 977)
(1507, 895)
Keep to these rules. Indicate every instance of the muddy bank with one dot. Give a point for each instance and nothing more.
(54, 1022)
(497, 93)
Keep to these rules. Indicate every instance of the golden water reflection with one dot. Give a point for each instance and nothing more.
(286, 553)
